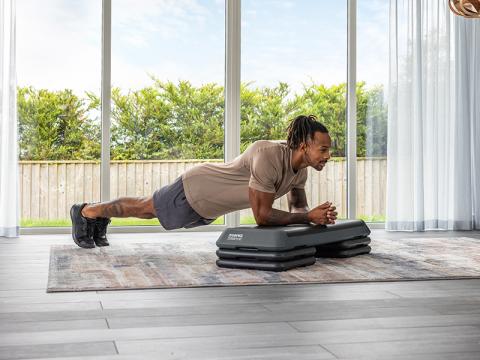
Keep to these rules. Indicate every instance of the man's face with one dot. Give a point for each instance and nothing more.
(317, 150)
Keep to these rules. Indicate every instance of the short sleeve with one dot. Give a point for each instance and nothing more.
(301, 179)
(263, 172)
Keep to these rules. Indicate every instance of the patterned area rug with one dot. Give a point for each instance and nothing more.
(191, 263)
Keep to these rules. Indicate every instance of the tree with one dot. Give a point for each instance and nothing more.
(372, 121)
(180, 121)
(53, 125)
(195, 118)
(140, 127)
(265, 113)
(328, 104)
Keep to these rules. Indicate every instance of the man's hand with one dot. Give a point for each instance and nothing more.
(323, 214)
(261, 203)
(332, 214)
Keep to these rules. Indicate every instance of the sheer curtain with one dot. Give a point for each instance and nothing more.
(9, 204)
(466, 168)
(433, 125)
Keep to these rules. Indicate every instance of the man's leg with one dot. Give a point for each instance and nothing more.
(140, 207)
(90, 221)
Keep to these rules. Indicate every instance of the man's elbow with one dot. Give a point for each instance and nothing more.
(261, 222)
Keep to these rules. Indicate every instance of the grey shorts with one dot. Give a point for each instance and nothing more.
(173, 210)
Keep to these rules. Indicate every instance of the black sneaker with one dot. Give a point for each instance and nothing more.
(100, 231)
(82, 227)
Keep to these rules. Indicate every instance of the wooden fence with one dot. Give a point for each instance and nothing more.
(49, 188)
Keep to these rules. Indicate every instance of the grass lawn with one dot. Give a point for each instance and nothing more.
(245, 220)
(373, 218)
(115, 222)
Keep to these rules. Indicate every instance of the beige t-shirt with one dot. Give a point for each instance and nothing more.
(215, 189)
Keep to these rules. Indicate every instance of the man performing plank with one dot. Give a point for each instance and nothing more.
(266, 171)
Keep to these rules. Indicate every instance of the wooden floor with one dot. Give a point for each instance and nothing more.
(384, 320)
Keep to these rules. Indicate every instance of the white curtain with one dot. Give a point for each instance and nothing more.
(433, 119)
(9, 204)
(466, 168)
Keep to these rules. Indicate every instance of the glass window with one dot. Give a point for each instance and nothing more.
(372, 83)
(294, 59)
(58, 73)
(168, 60)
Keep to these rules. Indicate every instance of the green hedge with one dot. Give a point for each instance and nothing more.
(181, 121)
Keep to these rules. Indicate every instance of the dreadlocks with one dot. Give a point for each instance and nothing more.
(303, 128)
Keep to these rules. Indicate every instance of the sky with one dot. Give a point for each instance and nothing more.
(292, 41)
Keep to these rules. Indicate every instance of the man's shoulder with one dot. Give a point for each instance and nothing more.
(279, 145)
(268, 153)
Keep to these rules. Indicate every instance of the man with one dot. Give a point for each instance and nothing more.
(266, 171)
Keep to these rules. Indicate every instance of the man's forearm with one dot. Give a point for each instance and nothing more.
(294, 209)
(279, 217)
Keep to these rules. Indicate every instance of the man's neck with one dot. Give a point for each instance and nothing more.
(297, 160)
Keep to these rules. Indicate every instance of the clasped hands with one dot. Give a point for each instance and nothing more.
(323, 214)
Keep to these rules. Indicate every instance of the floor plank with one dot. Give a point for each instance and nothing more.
(16, 327)
(327, 339)
(386, 322)
(54, 350)
(274, 353)
(200, 331)
(387, 348)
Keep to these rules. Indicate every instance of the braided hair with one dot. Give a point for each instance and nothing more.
(303, 128)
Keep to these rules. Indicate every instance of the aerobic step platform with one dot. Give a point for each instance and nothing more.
(279, 248)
